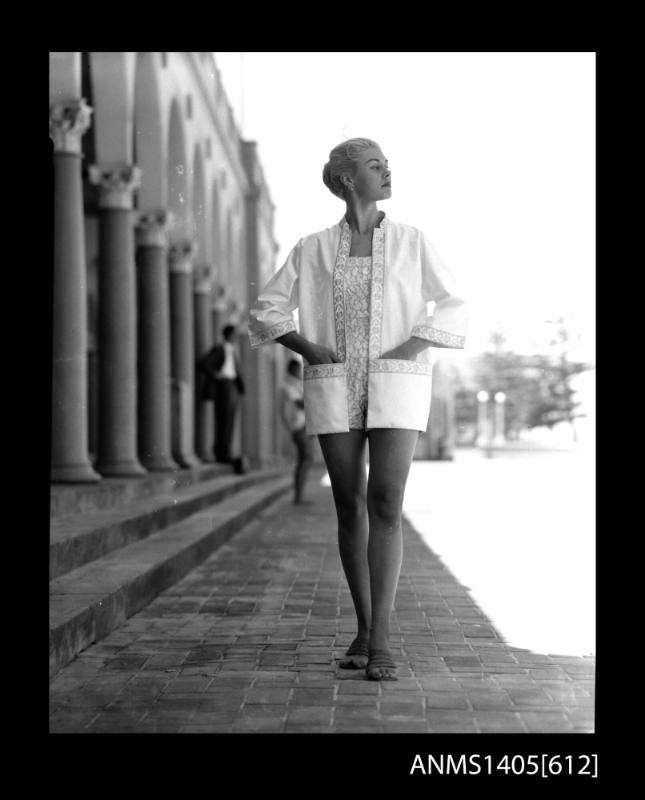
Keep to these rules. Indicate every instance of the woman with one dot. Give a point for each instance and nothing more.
(362, 288)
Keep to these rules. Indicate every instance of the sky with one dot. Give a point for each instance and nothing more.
(492, 156)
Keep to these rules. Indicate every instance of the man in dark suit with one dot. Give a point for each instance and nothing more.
(224, 384)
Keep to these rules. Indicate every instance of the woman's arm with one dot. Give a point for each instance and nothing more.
(409, 350)
(446, 325)
(312, 353)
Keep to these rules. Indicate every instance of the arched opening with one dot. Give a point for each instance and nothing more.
(199, 216)
(216, 235)
(148, 134)
(229, 259)
(91, 232)
(177, 175)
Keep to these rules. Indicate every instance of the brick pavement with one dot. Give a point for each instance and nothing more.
(248, 642)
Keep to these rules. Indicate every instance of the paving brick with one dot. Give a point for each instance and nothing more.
(495, 658)
(320, 670)
(399, 686)
(281, 647)
(413, 708)
(530, 658)
(529, 697)
(314, 696)
(320, 715)
(237, 666)
(188, 685)
(71, 721)
(324, 658)
(266, 695)
(212, 727)
(404, 726)
(457, 700)
(365, 688)
(358, 712)
(462, 662)
(548, 673)
(306, 727)
(227, 681)
(499, 721)
(125, 664)
(349, 726)
(438, 683)
(576, 714)
(279, 679)
(367, 700)
(274, 660)
(448, 721)
(165, 660)
(477, 630)
(580, 670)
(479, 681)
(275, 711)
(221, 704)
(546, 721)
(489, 698)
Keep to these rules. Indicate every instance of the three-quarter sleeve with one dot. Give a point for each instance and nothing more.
(272, 313)
(446, 325)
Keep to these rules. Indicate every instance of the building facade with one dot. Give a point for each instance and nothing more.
(163, 231)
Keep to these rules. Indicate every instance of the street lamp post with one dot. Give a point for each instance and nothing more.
(483, 423)
(500, 401)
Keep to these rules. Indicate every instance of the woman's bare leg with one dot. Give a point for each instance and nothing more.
(344, 455)
(391, 451)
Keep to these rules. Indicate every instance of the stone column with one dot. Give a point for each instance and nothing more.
(500, 406)
(204, 426)
(482, 418)
(153, 362)
(69, 455)
(117, 346)
(182, 353)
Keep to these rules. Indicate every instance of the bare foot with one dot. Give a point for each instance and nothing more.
(356, 655)
(380, 665)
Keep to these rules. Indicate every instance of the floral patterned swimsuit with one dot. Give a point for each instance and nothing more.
(357, 278)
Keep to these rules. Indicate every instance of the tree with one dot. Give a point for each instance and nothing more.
(537, 387)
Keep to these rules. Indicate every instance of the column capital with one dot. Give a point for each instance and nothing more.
(180, 256)
(220, 298)
(116, 185)
(67, 123)
(202, 281)
(152, 227)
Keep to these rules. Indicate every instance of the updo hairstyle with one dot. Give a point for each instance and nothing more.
(342, 161)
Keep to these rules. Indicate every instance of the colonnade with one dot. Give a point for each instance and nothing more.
(154, 314)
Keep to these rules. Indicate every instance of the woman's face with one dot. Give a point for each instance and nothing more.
(372, 179)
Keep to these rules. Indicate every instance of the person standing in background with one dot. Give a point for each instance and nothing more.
(224, 385)
(292, 410)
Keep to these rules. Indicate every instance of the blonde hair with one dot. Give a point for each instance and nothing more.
(342, 160)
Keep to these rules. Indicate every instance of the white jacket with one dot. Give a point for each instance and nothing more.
(412, 294)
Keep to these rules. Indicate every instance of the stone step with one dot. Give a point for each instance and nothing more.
(89, 602)
(67, 500)
(80, 538)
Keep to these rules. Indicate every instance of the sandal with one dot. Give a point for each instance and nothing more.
(380, 665)
(356, 656)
